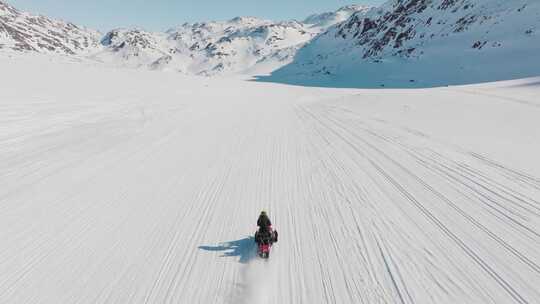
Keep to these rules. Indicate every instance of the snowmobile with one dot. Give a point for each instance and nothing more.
(265, 239)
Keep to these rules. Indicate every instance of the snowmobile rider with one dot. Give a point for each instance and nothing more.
(264, 222)
(265, 229)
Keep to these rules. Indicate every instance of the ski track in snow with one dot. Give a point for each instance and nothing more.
(152, 199)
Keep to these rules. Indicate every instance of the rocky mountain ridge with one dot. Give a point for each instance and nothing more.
(240, 45)
(21, 31)
(402, 43)
(424, 42)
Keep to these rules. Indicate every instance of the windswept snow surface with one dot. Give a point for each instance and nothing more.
(123, 186)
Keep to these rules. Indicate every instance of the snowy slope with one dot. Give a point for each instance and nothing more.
(21, 31)
(144, 188)
(424, 43)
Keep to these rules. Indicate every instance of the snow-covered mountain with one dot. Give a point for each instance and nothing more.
(402, 43)
(240, 45)
(424, 42)
(207, 48)
(21, 31)
(132, 47)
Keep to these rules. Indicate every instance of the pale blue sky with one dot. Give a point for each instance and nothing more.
(163, 14)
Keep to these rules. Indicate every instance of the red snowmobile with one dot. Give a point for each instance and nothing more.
(265, 239)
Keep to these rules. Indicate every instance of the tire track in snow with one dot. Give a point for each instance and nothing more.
(367, 212)
(469, 251)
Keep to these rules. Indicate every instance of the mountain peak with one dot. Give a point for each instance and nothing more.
(352, 8)
(330, 18)
(246, 20)
(21, 31)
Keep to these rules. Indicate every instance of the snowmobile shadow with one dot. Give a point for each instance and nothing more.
(245, 249)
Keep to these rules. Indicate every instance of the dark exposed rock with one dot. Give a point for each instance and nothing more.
(479, 44)
(464, 22)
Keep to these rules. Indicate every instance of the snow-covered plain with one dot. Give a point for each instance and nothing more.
(125, 186)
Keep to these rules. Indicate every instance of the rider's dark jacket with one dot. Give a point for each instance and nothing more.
(264, 222)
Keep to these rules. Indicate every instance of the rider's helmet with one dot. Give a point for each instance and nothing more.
(263, 212)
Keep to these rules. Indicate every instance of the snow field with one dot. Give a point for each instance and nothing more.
(123, 186)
